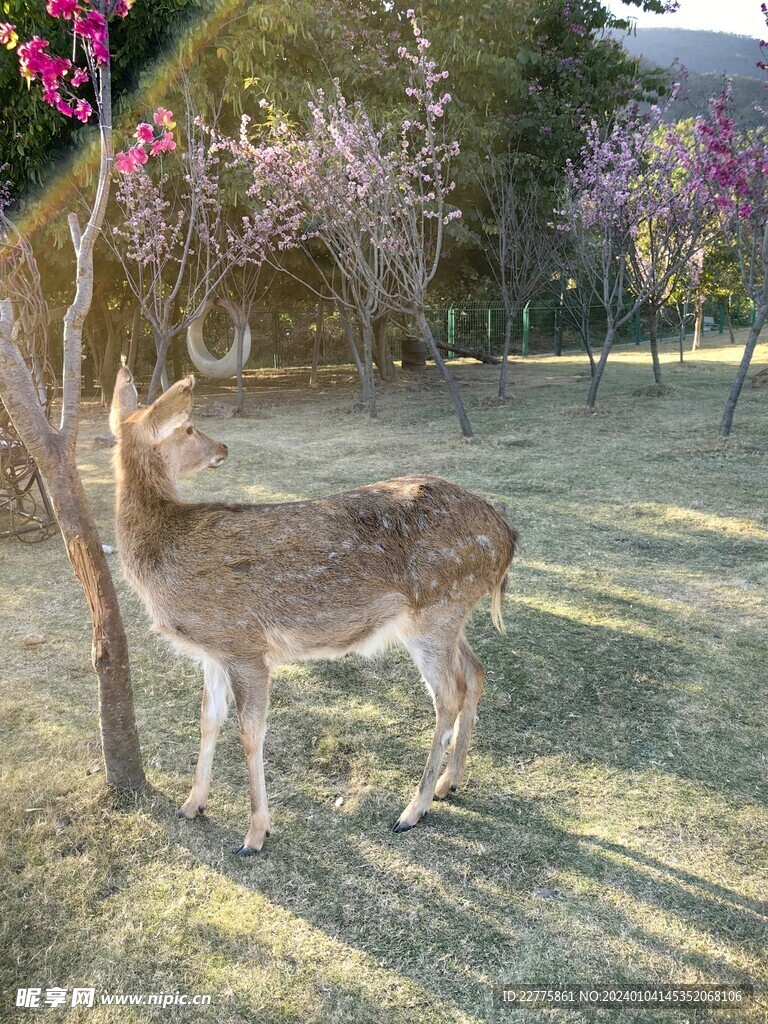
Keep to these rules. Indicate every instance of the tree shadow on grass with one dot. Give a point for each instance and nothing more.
(453, 905)
(623, 699)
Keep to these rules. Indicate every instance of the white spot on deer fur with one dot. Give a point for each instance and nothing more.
(483, 541)
(346, 544)
(379, 547)
(385, 522)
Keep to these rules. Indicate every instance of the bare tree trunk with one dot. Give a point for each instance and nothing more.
(319, 330)
(134, 343)
(461, 413)
(729, 319)
(239, 340)
(178, 369)
(107, 370)
(653, 330)
(381, 354)
(54, 452)
(746, 359)
(557, 341)
(370, 383)
(162, 343)
(598, 374)
(697, 330)
(109, 648)
(508, 321)
(350, 336)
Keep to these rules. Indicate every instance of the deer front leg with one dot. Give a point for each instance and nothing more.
(216, 697)
(252, 697)
(439, 669)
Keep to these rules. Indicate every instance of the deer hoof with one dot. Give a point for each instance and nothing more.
(189, 812)
(246, 851)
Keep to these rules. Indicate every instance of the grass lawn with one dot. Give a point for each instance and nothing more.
(613, 822)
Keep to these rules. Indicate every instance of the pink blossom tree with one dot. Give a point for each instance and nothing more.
(377, 200)
(330, 177)
(732, 165)
(666, 246)
(175, 242)
(634, 219)
(53, 446)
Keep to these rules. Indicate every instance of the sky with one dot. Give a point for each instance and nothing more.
(741, 16)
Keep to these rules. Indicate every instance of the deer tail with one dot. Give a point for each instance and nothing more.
(497, 597)
(497, 594)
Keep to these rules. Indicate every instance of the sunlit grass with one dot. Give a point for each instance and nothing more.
(618, 765)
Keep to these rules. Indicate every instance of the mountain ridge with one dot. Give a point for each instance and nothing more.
(700, 51)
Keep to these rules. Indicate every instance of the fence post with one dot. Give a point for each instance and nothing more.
(722, 319)
(526, 327)
(637, 327)
(451, 331)
(488, 332)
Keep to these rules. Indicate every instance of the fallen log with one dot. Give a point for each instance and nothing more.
(468, 352)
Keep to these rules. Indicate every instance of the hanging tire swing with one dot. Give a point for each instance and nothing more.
(207, 364)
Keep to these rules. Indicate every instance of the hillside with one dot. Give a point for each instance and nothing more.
(709, 57)
(719, 53)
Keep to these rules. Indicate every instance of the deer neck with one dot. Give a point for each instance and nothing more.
(143, 481)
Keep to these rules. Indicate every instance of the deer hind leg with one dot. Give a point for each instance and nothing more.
(473, 673)
(438, 663)
(251, 689)
(216, 697)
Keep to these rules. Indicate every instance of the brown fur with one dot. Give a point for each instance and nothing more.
(244, 588)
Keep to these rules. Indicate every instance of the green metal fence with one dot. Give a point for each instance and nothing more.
(546, 326)
(286, 339)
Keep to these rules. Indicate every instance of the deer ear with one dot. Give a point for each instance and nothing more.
(125, 399)
(171, 410)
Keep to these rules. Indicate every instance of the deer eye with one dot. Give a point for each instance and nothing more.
(190, 430)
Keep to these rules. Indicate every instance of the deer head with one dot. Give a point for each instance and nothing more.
(164, 427)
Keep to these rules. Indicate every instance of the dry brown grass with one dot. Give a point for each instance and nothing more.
(619, 757)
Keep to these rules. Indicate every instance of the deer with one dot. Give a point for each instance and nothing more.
(243, 588)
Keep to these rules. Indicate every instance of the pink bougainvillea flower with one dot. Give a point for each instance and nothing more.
(83, 110)
(123, 7)
(79, 76)
(8, 35)
(144, 132)
(123, 163)
(93, 28)
(163, 144)
(164, 118)
(63, 107)
(62, 8)
(126, 163)
(137, 154)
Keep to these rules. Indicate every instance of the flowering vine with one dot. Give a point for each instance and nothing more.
(59, 77)
(129, 161)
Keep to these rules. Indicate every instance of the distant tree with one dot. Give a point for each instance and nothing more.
(520, 239)
(634, 216)
(721, 278)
